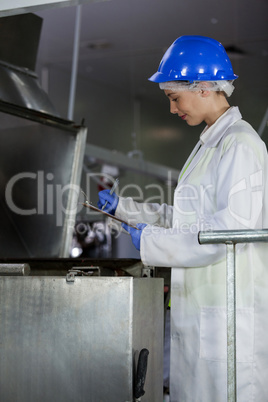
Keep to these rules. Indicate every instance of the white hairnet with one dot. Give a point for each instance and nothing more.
(225, 86)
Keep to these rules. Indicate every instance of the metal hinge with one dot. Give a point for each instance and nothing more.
(81, 271)
(148, 272)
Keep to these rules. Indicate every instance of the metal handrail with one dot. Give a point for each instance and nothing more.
(231, 238)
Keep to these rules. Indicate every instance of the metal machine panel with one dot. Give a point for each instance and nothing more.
(41, 165)
(77, 341)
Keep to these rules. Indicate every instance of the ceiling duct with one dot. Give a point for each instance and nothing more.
(19, 83)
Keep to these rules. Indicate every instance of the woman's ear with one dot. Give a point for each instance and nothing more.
(205, 92)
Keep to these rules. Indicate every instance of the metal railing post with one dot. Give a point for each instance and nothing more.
(230, 238)
(231, 321)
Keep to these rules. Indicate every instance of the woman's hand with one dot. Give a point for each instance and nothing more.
(135, 233)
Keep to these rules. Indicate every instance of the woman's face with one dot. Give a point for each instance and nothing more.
(188, 105)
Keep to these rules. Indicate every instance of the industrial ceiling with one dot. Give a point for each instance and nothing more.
(122, 42)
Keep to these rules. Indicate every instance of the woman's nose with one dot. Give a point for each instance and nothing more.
(173, 108)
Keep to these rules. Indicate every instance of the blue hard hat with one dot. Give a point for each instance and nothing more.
(194, 58)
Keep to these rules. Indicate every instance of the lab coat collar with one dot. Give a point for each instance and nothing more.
(210, 136)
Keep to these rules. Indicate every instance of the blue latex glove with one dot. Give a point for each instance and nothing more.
(135, 233)
(112, 199)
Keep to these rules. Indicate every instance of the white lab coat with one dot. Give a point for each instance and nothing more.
(224, 187)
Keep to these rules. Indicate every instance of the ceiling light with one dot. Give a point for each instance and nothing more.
(214, 20)
(99, 44)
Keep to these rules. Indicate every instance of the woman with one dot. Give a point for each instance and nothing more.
(222, 186)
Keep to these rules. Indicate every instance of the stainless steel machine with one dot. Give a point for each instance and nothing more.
(70, 329)
(41, 164)
(67, 338)
(41, 154)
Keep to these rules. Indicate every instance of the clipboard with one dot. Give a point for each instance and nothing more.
(87, 205)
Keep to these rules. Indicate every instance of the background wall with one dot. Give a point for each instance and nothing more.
(121, 45)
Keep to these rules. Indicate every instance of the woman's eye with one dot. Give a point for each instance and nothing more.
(174, 100)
